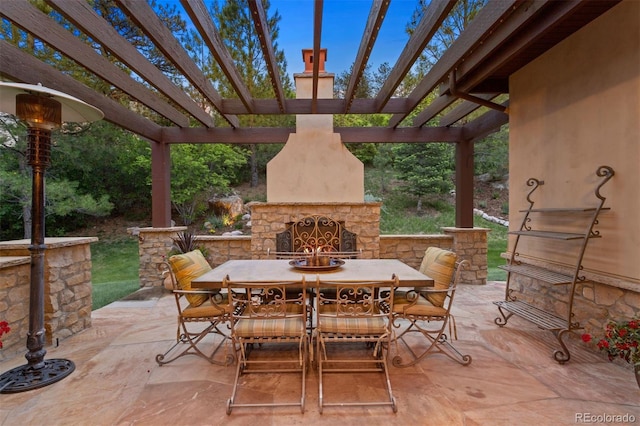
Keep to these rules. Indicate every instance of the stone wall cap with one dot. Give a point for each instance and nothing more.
(54, 242)
(222, 237)
(9, 261)
(454, 229)
(169, 229)
(319, 203)
(418, 236)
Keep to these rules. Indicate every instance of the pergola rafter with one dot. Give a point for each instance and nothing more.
(503, 37)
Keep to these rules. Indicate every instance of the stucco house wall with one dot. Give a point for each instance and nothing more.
(573, 109)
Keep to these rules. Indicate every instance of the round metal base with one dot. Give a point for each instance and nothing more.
(25, 378)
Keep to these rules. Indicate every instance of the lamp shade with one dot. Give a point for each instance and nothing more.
(73, 109)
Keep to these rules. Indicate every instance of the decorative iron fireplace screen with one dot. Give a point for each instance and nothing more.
(313, 232)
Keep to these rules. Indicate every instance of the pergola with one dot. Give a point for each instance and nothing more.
(504, 36)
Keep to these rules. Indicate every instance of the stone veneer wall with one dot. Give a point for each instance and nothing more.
(363, 219)
(467, 243)
(267, 219)
(14, 303)
(471, 244)
(155, 243)
(410, 248)
(67, 293)
(594, 303)
(153, 246)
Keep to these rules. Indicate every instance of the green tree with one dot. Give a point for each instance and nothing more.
(458, 19)
(426, 168)
(64, 198)
(197, 172)
(492, 154)
(234, 22)
(370, 83)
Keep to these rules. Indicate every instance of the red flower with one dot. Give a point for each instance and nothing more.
(4, 328)
(621, 340)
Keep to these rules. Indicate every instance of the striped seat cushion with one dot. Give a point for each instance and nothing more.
(278, 327)
(439, 264)
(346, 325)
(422, 307)
(207, 310)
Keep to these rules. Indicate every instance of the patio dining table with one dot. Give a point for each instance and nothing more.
(260, 270)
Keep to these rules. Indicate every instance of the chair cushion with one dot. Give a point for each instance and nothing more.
(361, 326)
(278, 327)
(206, 310)
(439, 264)
(422, 307)
(187, 267)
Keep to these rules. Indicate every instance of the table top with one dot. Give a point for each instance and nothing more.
(280, 270)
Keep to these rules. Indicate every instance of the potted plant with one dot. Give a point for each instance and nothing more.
(621, 340)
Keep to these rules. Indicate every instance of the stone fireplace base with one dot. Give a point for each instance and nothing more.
(268, 219)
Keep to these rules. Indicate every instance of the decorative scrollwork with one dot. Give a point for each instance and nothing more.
(535, 183)
(606, 172)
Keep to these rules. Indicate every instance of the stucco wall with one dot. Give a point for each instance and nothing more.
(575, 108)
(314, 165)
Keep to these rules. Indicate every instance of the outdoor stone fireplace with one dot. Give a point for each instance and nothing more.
(269, 219)
(315, 174)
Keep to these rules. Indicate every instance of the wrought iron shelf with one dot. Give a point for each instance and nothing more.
(539, 317)
(554, 235)
(546, 320)
(537, 272)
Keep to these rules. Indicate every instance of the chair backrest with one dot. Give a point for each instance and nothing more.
(440, 265)
(344, 300)
(185, 268)
(447, 293)
(268, 300)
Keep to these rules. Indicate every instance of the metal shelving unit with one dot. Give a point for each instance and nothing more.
(550, 321)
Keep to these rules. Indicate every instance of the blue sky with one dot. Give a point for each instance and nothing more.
(343, 25)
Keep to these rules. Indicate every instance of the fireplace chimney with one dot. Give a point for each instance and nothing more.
(314, 165)
(307, 58)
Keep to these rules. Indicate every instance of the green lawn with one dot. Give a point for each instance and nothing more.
(114, 270)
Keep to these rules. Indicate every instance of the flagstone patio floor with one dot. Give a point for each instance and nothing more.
(513, 379)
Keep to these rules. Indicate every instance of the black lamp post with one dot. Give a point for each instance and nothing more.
(43, 109)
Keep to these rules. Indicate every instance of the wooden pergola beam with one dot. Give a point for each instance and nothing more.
(271, 135)
(32, 20)
(488, 18)
(431, 20)
(376, 16)
(145, 18)
(197, 11)
(21, 67)
(317, 43)
(82, 15)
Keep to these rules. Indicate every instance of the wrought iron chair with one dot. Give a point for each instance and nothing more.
(269, 314)
(428, 310)
(200, 312)
(348, 313)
